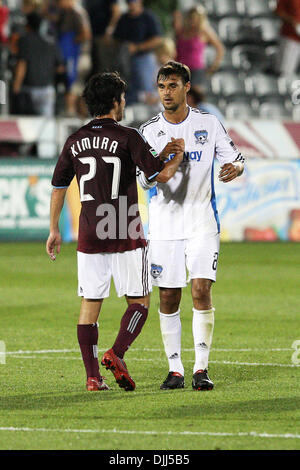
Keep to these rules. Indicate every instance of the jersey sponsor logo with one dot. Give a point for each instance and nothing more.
(201, 136)
(187, 156)
(156, 270)
(192, 156)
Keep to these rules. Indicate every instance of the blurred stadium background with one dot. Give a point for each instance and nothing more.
(261, 112)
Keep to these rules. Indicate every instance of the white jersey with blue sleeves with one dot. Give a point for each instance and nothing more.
(185, 207)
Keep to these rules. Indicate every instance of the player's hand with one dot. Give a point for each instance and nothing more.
(228, 172)
(54, 241)
(176, 146)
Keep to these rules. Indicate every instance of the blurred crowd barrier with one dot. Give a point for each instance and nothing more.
(262, 205)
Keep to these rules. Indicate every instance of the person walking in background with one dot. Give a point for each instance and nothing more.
(104, 15)
(289, 51)
(193, 34)
(141, 31)
(73, 31)
(38, 61)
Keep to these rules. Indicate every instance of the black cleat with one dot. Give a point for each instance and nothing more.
(174, 380)
(201, 381)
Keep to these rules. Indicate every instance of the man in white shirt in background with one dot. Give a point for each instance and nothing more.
(184, 229)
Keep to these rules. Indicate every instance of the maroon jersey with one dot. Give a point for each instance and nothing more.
(104, 155)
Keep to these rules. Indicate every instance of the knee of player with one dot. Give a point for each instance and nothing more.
(170, 299)
(201, 291)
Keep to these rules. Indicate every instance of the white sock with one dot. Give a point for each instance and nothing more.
(203, 326)
(170, 326)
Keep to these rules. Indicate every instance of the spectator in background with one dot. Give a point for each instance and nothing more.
(38, 61)
(4, 15)
(289, 51)
(166, 10)
(165, 51)
(73, 31)
(104, 15)
(19, 28)
(192, 36)
(141, 30)
(196, 99)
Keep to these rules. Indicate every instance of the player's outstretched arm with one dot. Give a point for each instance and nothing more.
(176, 146)
(54, 240)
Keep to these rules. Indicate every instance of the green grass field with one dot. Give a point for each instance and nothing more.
(256, 400)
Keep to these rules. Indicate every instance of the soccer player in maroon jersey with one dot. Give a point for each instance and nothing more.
(104, 155)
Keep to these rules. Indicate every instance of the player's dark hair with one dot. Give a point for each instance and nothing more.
(175, 68)
(101, 91)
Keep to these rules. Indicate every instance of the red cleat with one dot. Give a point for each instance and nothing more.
(119, 369)
(93, 384)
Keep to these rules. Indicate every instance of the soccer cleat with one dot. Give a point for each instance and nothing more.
(201, 381)
(119, 369)
(93, 384)
(174, 380)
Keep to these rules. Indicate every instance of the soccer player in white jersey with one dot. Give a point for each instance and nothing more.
(184, 229)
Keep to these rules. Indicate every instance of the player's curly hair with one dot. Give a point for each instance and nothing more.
(101, 91)
(175, 68)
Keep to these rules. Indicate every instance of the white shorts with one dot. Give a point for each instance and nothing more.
(130, 271)
(171, 258)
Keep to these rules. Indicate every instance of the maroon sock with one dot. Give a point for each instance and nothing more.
(131, 325)
(88, 339)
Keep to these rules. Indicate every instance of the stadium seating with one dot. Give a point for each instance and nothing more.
(275, 109)
(255, 8)
(247, 57)
(236, 31)
(226, 8)
(227, 84)
(239, 110)
(261, 85)
(266, 28)
(247, 84)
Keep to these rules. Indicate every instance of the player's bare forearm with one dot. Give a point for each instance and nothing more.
(170, 168)
(176, 146)
(230, 171)
(56, 205)
(54, 240)
(20, 73)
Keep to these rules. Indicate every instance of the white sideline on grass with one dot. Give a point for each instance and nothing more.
(44, 351)
(161, 433)
(35, 355)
